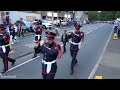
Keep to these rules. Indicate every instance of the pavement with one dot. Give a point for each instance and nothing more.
(96, 37)
(109, 67)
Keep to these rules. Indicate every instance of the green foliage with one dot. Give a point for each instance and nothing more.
(103, 15)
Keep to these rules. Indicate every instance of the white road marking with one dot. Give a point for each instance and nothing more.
(35, 58)
(22, 63)
(100, 58)
(89, 32)
(12, 51)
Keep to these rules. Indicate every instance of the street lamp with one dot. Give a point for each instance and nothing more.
(73, 14)
(99, 14)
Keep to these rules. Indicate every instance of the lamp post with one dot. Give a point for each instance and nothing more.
(99, 14)
(73, 14)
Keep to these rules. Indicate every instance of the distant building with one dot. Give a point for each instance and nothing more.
(80, 15)
(50, 16)
(16, 15)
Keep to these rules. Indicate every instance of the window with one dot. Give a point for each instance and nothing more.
(44, 21)
(55, 18)
(44, 17)
(2, 14)
(49, 18)
(7, 13)
(59, 11)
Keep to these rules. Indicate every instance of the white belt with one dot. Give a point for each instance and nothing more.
(38, 36)
(4, 47)
(48, 64)
(79, 44)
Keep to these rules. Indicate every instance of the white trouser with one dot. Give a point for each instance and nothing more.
(49, 64)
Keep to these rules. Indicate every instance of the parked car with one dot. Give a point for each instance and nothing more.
(26, 24)
(46, 25)
(64, 23)
(57, 22)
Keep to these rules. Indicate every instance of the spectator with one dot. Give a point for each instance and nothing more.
(7, 19)
(10, 29)
(19, 29)
(15, 31)
(119, 30)
(22, 29)
(4, 20)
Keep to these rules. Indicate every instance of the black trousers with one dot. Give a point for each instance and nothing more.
(64, 46)
(18, 33)
(118, 33)
(48, 76)
(22, 33)
(74, 60)
(5, 58)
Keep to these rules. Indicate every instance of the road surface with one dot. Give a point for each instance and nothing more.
(96, 36)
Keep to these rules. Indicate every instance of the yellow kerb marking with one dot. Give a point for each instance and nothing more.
(98, 77)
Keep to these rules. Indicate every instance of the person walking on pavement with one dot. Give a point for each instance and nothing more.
(7, 20)
(11, 31)
(119, 30)
(38, 33)
(57, 32)
(16, 33)
(64, 39)
(4, 20)
(51, 51)
(13, 35)
(5, 48)
(19, 29)
(22, 30)
(76, 36)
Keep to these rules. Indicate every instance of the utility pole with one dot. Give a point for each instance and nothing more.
(52, 16)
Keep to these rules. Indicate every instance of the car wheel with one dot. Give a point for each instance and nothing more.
(44, 27)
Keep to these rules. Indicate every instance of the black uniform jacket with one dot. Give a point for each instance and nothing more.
(76, 39)
(4, 40)
(49, 55)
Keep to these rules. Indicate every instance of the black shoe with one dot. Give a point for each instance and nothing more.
(34, 56)
(76, 62)
(3, 71)
(13, 63)
(71, 72)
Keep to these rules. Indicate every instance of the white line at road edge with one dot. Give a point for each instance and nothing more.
(89, 32)
(22, 64)
(33, 58)
(94, 29)
(100, 58)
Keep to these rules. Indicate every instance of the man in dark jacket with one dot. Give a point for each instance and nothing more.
(64, 39)
(5, 48)
(76, 37)
(38, 33)
(51, 51)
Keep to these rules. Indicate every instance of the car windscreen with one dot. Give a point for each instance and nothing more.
(44, 21)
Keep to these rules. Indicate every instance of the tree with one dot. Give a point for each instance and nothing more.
(92, 15)
(103, 15)
(117, 14)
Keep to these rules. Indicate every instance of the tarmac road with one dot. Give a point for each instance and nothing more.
(96, 36)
